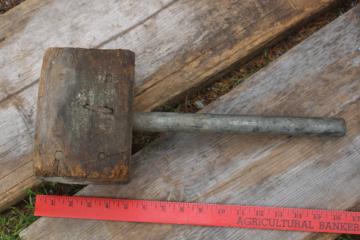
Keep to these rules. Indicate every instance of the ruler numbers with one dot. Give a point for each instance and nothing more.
(198, 214)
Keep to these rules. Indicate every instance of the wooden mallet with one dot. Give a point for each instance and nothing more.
(84, 118)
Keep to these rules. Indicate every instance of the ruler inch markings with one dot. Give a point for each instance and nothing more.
(198, 214)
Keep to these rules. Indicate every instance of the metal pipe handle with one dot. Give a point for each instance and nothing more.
(188, 122)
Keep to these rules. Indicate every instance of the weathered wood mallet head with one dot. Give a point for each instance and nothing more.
(83, 128)
(84, 120)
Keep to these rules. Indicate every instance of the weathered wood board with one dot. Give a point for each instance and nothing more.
(178, 45)
(319, 77)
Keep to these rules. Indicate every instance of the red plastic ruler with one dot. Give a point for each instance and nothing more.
(217, 215)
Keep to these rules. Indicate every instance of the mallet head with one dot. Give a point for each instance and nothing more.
(83, 129)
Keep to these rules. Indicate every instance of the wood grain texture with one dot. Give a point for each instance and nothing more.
(179, 44)
(84, 118)
(319, 77)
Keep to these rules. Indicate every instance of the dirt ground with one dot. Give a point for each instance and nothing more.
(6, 5)
(20, 216)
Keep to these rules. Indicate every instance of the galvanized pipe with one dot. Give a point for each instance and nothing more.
(187, 122)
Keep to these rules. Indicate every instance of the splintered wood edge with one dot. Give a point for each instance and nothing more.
(81, 181)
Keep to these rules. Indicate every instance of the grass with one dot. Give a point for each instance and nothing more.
(14, 220)
(348, 237)
(17, 218)
(20, 216)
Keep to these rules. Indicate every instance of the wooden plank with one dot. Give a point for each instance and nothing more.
(178, 44)
(25, 32)
(319, 77)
